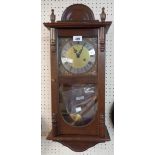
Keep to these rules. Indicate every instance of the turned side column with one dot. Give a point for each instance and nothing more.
(54, 84)
(101, 80)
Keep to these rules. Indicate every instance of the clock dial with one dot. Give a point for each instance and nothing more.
(78, 57)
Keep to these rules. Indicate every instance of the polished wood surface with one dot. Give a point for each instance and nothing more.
(79, 143)
(82, 32)
(82, 24)
(79, 138)
(77, 12)
(86, 79)
(101, 80)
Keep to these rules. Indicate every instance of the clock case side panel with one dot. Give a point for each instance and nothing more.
(101, 81)
(54, 85)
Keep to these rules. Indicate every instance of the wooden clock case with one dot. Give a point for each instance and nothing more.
(78, 20)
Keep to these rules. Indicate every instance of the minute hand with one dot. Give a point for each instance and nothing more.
(81, 50)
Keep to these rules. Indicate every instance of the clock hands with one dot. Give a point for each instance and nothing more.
(78, 53)
(75, 51)
(81, 49)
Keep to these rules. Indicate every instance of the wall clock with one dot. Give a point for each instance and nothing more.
(78, 78)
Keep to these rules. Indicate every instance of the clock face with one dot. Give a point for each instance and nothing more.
(78, 57)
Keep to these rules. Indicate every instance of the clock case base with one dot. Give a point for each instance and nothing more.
(79, 143)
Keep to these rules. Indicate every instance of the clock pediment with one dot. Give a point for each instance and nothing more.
(77, 12)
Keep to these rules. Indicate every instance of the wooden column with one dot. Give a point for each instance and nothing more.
(54, 84)
(101, 81)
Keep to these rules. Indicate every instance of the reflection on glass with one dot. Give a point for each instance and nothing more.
(92, 52)
(78, 103)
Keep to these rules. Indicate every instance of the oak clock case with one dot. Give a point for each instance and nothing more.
(78, 78)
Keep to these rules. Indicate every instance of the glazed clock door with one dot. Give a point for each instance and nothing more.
(78, 106)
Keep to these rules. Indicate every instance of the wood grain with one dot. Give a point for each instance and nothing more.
(78, 138)
(88, 25)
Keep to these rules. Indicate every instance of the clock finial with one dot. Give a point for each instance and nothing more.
(103, 15)
(52, 17)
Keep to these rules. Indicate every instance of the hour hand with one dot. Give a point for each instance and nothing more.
(75, 51)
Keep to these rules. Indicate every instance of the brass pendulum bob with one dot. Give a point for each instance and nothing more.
(52, 17)
(78, 117)
(103, 15)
